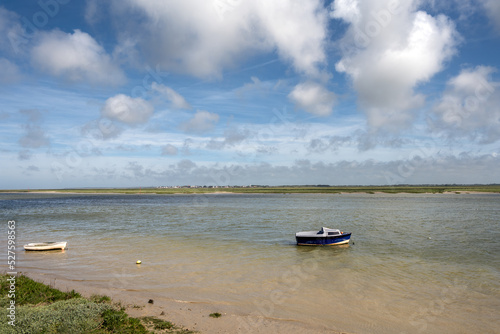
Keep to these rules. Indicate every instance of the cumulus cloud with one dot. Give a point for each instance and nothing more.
(390, 48)
(172, 96)
(470, 106)
(75, 57)
(205, 41)
(313, 98)
(298, 29)
(202, 122)
(131, 111)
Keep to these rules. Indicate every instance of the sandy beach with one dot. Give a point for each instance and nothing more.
(190, 315)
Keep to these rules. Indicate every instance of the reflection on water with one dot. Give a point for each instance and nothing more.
(419, 263)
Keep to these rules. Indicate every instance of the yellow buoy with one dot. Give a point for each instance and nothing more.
(138, 262)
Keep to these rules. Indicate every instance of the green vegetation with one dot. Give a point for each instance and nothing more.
(42, 309)
(415, 189)
(157, 323)
(100, 299)
(163, 326)
(31, 292)
(215, 315)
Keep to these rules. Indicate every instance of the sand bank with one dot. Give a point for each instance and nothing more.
(190, 315)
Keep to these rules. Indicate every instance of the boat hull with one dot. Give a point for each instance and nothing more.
(323, 240)
(45, 246)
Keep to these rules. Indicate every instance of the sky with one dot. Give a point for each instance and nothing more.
(139, 93)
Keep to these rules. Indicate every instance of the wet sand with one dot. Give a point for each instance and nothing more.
(189, 315)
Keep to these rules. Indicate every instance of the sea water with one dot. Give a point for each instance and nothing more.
(417, 263)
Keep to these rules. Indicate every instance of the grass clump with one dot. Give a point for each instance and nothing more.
(215, 315)
(32, 292)
(100, 299)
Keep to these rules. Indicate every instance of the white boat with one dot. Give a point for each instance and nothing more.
(44, 246)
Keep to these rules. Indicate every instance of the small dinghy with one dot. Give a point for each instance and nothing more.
(325, 236)
(45, 246)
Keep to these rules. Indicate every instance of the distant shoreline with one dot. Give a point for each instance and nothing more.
(396, 189)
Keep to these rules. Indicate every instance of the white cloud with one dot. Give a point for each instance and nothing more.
(492, 8)
(298, 29)
(76, 57)
(470, 106)
(202, 122)
(128, 110)
(313, 98)
(172, 96)
(198, 38)
(387, 51)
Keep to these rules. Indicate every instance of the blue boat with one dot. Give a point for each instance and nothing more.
(325, 237)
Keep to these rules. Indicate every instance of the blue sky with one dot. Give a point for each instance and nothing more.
(235, 92)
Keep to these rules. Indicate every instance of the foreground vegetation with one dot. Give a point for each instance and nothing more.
(42, 309)
(414, 189)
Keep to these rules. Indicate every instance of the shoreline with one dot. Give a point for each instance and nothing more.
(281, 189)
(190, 315)
(256, 192)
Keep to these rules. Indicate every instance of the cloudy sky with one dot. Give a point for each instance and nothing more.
(123, 93)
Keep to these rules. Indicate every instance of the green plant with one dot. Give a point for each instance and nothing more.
(100, 299)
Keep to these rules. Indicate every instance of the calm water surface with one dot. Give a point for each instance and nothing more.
(418, 264)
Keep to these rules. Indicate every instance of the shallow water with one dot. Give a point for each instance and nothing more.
(416, 263)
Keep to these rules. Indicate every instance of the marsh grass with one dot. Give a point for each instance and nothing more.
(43, 309)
